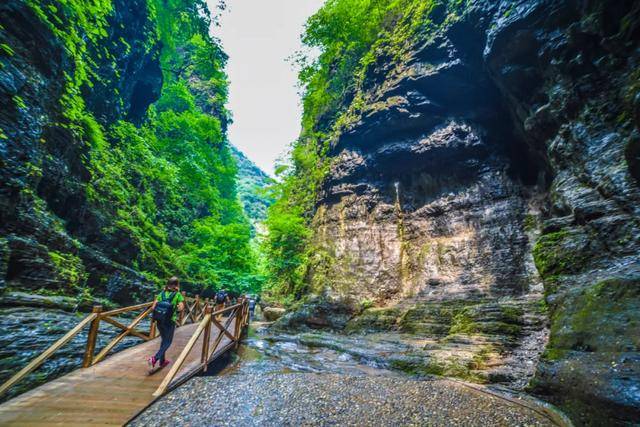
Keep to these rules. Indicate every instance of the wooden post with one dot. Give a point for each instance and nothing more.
(246, 313)
(237, 326)
(196, 309)
(92, 337)
(205, 340)
(181, 316)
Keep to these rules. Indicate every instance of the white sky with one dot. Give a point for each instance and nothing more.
(258, 35)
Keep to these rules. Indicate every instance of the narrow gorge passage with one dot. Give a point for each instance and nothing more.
(443, 229)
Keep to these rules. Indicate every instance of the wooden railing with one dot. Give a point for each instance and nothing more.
(194, 312)
(236, 315)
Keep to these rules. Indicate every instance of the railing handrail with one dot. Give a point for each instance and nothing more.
(183, 355)
(46, 354)
(97, 315)
(126, 309)
(238, 311)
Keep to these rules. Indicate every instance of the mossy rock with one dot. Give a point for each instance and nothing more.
(375, 319)
(430, 319)
(603, 317)
(561, 252)
(417, 366)
(451, 367)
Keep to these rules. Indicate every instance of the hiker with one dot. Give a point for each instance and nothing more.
(252, 306)
(222, 297)
(165, 313)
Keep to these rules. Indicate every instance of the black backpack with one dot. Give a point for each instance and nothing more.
(164, 308)
(221, 296)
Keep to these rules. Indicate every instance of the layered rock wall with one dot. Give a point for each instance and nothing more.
(489, 189)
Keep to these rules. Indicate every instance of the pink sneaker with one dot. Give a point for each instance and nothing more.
(152, 361)
(165, 364)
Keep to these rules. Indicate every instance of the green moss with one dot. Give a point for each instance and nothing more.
(481, 357)
(6, 49)
(417, 367)
(553, 354)
(375, 319)
(600, 317)
(530, 222)
(463, 322)
(69, 269)
(469, 370)
(19, 102)
(511, 314)
(553, 255)
(365, 304)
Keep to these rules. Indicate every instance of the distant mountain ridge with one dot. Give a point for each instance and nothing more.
(251, 182)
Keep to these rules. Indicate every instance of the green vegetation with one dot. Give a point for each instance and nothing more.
(167, 186)
(69, 269)
(554, 255)
(351, 35)
(600, 317)
(252, 184)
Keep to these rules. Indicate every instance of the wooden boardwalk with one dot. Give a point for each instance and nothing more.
(115, 390)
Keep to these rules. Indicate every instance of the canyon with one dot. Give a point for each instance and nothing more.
(476, 216)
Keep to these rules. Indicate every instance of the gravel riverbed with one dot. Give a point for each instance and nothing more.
(292, 399)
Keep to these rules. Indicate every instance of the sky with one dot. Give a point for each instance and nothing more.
(258, 36)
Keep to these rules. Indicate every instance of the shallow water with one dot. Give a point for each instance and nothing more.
(267, 352)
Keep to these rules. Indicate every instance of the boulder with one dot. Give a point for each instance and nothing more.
(272, 314)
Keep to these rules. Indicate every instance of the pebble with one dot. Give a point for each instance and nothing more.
(310, 399)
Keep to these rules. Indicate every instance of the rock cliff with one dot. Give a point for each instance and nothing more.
(115, 165)
(485, 195)
(49, 229)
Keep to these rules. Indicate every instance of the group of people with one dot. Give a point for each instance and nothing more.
(166, 307)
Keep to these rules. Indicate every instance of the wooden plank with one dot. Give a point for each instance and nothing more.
(46, 354)
(114, 391)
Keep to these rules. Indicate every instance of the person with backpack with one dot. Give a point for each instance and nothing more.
(221, 298)
(165, 313)
(252, 306)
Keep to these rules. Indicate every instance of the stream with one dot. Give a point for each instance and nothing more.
(263, 352)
